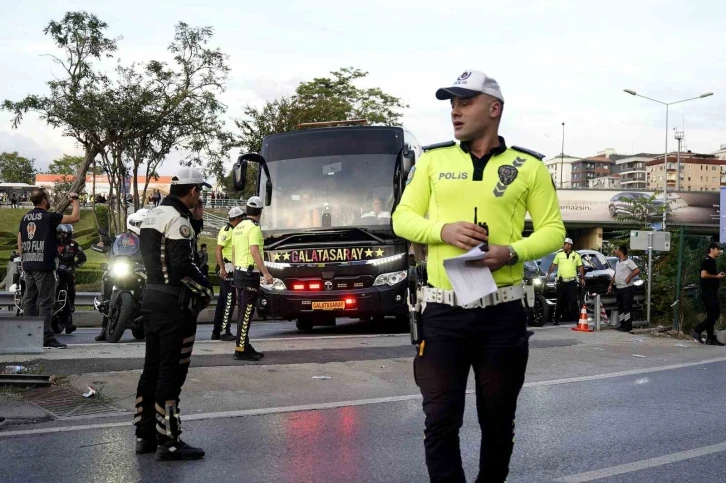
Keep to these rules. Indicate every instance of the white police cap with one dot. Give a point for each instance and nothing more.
(469, 84)
(189, 176)
(235, 212)
(254, 202)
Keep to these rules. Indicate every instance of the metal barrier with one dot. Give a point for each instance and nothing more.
(83, 299)
(610, 303)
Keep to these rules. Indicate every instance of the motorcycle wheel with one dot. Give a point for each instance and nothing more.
(137, 332)
(120, 317)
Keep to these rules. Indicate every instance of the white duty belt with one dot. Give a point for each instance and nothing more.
(448, 297)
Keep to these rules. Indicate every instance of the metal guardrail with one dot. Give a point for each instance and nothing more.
(83, 299)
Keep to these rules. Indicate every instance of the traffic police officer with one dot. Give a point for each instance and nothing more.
(175, 292)
(38, 249)
(568, 262)
(225, 270)
(70, 258)
(247, 242)
(484, 181)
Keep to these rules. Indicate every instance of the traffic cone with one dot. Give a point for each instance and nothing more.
(582, 325)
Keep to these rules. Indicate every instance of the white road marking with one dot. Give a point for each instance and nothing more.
(643, 464)
(339, 404)
(271, 339)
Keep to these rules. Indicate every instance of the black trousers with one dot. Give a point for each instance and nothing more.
(566, 309)
(225, 307)
(248, 289)
(713, 312)
(495, 342)
(170, 333)
(624, 298)
(68, 280)
(39, 298)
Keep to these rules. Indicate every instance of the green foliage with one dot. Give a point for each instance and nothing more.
(324, 99)
(16, 169)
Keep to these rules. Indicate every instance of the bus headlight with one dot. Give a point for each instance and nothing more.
(276, 284)
(391, 278)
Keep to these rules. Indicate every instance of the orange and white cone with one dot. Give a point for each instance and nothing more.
(603, 314)
(582, 325)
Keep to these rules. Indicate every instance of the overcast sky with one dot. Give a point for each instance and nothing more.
(556, 61)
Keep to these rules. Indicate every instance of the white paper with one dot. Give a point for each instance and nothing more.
(470, 283)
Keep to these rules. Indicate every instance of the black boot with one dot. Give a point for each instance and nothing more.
(144, 445)
(246, 356)
(171, 447)
(102, 336)
(252, 350)
(228, 337)
(215, 336)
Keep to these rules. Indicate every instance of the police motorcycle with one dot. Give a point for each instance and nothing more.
(70, 257)
(123, 282)
(18, 290)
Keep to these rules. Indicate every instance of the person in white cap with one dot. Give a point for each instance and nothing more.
(175, 292)
(459, 197)
(568, 263)
(227, 292)
(249, 266)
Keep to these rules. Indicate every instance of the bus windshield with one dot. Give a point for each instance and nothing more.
(342, 190)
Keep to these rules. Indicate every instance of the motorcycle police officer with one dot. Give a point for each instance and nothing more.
(227, 290)
(484, 181)
(247, 242)
(38, 250)
(70, 257)
(176, 291)
(568, 263)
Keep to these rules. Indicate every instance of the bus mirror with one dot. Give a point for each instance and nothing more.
(239, 174)
(407, 161)
(268, 190)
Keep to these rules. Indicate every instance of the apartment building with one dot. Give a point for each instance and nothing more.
(590, 168)
(632, 170)
(699, 172)
(560, 168)
(721, 153)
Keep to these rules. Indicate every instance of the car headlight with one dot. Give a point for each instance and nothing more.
(276, 284)
(638, 283)
(120, 268)
(391, 278)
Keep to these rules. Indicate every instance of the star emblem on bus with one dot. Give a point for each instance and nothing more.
(286, 256)
(379, 253)
(276, 257)
(369, 253)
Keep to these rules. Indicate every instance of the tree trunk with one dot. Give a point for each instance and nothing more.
(136, 187)
(80, 182)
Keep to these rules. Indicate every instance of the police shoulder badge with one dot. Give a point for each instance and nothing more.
(185, 231)
(410, 175)
(507, 174)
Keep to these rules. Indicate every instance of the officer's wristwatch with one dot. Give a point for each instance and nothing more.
(513, 257)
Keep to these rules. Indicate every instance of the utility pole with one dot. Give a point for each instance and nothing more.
(562, 154)
(679, 138)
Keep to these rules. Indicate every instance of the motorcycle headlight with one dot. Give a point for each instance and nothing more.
(391, 278)
(537, 281)
(277, 284)
(120, 268)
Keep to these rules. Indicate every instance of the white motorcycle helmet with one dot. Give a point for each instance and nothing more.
(133, 222)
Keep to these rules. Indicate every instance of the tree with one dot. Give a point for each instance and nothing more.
(68, 165)
(80, 101)
(16, 169)
(323, 99)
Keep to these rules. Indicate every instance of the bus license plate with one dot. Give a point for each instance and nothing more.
(338, 304)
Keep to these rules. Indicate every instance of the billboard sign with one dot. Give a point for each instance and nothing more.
(695, 208)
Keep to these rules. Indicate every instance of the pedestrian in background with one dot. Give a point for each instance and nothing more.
(710, 281)
(625, 271)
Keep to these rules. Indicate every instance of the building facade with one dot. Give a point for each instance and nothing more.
(632, 170)
(586, 169)
(698, 172)
(560, 168)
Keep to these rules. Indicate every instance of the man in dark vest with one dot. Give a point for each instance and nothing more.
(38, 253)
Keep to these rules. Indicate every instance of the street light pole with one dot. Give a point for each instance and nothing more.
(665, 156)
(562, 154)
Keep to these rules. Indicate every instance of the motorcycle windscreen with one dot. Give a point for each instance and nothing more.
(126, 245)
